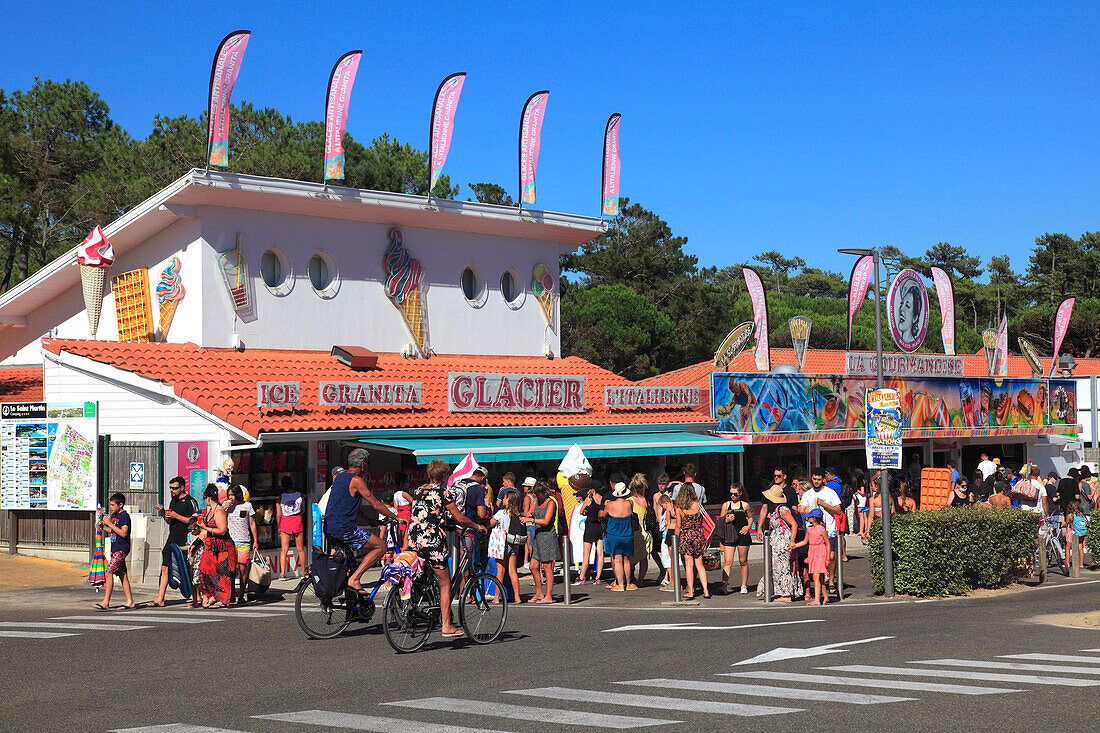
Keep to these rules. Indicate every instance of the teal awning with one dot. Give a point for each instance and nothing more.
(612, 445)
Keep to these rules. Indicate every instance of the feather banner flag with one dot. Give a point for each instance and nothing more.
(611, 166)
(443, 122)
(1061, 325)
(465, 469)
(857, 289)
(530, 137)
(755, 286)
(337, 99)
(223, 75)
(945, 293)
(1002, 346)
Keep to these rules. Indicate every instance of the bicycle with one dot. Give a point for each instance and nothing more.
(408, 622)
(1050, 530)
(327, 618)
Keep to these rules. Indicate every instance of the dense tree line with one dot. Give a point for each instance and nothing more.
(632, 300)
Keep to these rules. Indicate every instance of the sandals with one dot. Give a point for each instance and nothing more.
(544, 602)
(452, 634)
(131, 607)
(152, 604)
(616, 587)
(632, 587)
(100, 607)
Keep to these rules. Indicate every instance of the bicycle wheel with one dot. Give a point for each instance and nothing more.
(481, 616)
(1056, 557)
(406, 623)
(320, 618)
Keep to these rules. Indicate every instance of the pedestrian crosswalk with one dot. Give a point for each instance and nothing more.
(656, 702)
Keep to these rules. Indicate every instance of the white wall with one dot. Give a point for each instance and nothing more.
(360, 313)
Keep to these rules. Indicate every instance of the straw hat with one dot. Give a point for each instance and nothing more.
(775, 495)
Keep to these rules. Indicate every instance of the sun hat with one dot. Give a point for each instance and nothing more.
(775, 495)
(620, 491)
(816, 513)
(529, 481)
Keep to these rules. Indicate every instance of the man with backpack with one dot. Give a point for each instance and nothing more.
(470, 497)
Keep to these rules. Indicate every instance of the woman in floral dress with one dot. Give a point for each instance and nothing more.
(433, 511)
(786, 583)
(218, 564)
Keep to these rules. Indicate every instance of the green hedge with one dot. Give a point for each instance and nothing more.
(1092, 538)
(953, 550)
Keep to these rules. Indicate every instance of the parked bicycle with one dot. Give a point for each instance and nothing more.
(1053, 543)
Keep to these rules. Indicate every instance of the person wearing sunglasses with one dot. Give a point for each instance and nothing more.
(736, 513)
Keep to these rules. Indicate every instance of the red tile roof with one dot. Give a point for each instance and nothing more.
(223, 383)
(18, 384)
(832, 362)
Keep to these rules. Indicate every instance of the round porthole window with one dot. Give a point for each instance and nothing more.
(323, 274)
(511, 289)
(275, 271)
(473, 286)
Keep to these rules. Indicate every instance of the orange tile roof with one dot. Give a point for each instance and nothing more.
(223, 383)
(18, 384)
(824, 361)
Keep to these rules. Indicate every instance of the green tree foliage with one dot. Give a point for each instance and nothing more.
(617, 327)
(490, 193)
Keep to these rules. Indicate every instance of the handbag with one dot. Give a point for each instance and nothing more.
(259, 575)
(496, 542)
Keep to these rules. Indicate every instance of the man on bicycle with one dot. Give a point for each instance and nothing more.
(347, 494)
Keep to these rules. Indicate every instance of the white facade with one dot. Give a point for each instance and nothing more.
(202, 215)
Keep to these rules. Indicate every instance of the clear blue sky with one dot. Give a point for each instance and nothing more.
(747, 126)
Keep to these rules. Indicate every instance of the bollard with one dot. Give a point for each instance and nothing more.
(839, 568)
(767, 581)
(452, 537)
(676, 568)
(1041, 559)
(1074, 565)
(566, 561)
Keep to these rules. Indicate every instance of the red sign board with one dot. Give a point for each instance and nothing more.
(278, 394)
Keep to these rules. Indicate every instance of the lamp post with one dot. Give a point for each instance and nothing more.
(884, 488)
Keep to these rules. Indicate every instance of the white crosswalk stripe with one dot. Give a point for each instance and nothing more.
(175, 728)
(198, 612)
(34, 634)
(800, 694)
(824, 679)
(964, 675)
(1012, 666)
(524, 712)
(654, 702)
(144, 618)
(63, 627)
(1054, 657)
(352, 721)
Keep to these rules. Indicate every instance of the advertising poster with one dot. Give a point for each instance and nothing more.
(192, 466)
(907, 310)
(1063, 402)
(883, 441)
(49, 456)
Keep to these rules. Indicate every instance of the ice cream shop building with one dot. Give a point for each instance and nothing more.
(280, 323)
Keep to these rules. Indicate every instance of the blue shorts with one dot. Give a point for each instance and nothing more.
(356, 538)
(832, 543)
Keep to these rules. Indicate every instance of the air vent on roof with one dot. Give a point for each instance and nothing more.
(355, 357)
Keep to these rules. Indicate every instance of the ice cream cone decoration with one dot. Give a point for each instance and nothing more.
(170, 292)
(95, 258)
(542, 285)
(403, 274)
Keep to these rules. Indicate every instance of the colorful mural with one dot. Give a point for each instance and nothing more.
(795, 403)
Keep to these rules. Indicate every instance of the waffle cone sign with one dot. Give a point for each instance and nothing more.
(800, 338)
(989, 341)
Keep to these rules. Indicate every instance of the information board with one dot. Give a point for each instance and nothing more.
(48, 456)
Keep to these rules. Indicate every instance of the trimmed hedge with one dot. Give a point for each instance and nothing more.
(1092, 538)
(953, 550)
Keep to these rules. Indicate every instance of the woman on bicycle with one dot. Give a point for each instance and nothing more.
(427, 535)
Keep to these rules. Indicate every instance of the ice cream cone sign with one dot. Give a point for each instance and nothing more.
(170, 292)
(403, 275)
(95, 257)
(542, 285)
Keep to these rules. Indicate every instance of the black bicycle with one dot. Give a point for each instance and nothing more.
(482, 608)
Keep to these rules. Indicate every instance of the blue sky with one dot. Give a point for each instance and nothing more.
(747, 126)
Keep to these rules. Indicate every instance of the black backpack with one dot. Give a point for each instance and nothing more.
(847, 491)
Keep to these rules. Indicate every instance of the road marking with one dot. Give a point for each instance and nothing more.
(89, 627)
(1013, 666)
(654, 702)
(965, 675)
(781, 653)
(174, 728)
(201, 612)
(34, 634)
(140, 617)
(1088, 650)
(524, 712)
(767, 691)
(1055, 657)
(691, 626)
(869, 682)
(351, 721)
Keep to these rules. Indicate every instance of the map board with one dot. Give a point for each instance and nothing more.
(49, 456)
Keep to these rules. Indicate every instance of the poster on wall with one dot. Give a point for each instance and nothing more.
(907, 310)
(191, 464)
(49, 456)
(883, 434)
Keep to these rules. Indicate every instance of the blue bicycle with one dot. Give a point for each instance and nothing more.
(324, 617)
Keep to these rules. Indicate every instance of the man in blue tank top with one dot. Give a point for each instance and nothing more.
(347, 494)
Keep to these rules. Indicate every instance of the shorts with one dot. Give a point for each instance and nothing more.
(472, 543)
(741, 540)
(244, 552)
(356, 538)
(531, 533)
(118, 564)
(593, 532)
(832, 542)
(291, 524)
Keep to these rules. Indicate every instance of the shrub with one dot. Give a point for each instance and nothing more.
(953, 550)
(1092, 538)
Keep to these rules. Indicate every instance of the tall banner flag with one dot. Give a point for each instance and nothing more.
(800, 337)
(611, 166)
(223, 74)
(1061, 325)
(945, 293)
(530, 136)
(857, 289)
(337, 98)
(1002, 346)
(1031, 356)
(443, 122)
(989, 341)
(760, 318)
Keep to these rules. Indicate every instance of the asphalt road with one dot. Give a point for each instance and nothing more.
(558, 667)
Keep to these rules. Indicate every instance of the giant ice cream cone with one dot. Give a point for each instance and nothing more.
(170, 292)
(403, 273)
(542, 285)
(95, 258)
(546, 300)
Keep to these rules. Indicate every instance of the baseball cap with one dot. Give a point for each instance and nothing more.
(337, 470)
(816, 513)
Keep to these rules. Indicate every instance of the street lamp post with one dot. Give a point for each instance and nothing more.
(884, 488)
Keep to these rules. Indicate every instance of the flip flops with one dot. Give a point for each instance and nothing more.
(152, 604)
(100, 607)
(452, 634)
